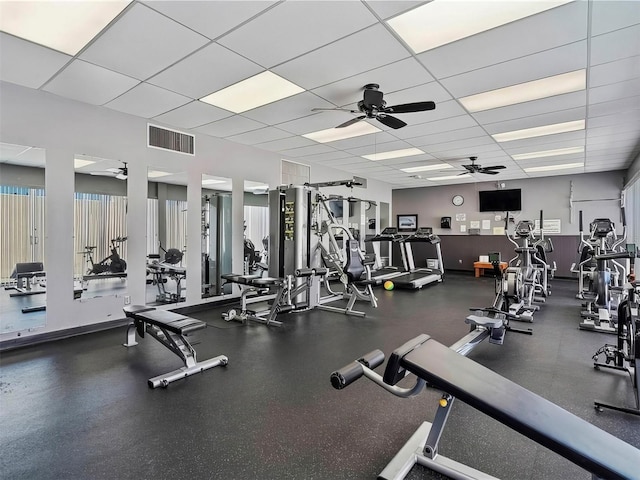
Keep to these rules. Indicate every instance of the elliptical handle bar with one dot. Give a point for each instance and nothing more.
(582, 240)
(506, 232)
(622, 239)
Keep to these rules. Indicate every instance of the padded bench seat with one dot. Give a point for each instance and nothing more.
(169, 328)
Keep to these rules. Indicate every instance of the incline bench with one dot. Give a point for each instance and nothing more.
(595, 450)
(169, 328)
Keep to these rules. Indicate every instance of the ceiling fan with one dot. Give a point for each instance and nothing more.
(120, 173)
(473, 168)
(373, 106)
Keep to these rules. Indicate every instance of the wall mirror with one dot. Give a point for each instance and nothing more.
(22, 261)
(166, 236)
(256, 228)
(100, 227)
(216, 252)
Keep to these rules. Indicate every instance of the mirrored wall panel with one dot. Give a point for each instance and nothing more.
(22, 263)
(256, 228)
(216, 254)
(100, 227)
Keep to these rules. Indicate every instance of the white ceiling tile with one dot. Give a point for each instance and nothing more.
(566, 143)
(615, 45)
(375, 148)
(620, 140)
(614, 129)
(89, 83)
(26, 63)
(614, 91)
(447, 136)
(230, 126)
(613, 72)
(198, 15)
(566, 58)
(387, 9)
(462, 143)
(561, 25)
(546, 142)
(462, 151)
(329, 156)
(378, 138)
(614, 107)
(391, 78)
(537, 120)
(259, 136)
(285, 144)
(193, 115)
(605, 148)
(147, 101)
(288, 109)
(141, 43)
(542, 106)
(314, 123)
(631, 117)
(344, 58)
(454, 123)
(309, 150)
(294, 28)
(208, 70)
(613, 15)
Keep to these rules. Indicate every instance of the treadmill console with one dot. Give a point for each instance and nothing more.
(424, 231)
(389, 231)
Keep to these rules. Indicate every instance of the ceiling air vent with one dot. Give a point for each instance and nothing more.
(171, 140)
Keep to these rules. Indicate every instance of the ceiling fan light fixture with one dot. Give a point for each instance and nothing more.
(253, 92)
(334, 134)
(549, 168)
(548, 153)
(424, 168)
(539, 131)
(447, 21)
(526, 92)
(405, 152)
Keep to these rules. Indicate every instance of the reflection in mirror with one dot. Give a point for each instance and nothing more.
(256, 228)
(216, 234)
(370, 208)
(166, 236)
(385, 249)
(100, 227)
(22, 262)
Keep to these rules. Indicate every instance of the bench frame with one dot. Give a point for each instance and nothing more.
(175, 342)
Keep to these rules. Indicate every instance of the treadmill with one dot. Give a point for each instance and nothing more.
(416, 278)
(382, 274)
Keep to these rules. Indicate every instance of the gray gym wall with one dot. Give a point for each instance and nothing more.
(550, 194)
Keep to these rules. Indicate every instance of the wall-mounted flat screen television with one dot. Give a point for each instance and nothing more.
(501, 200)
(407, 223)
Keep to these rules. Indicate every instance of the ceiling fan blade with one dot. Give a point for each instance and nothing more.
(411, 107)
(390, 121)
(352, 121)
(464, 173)
(488, 172)
(334, 109)
(104, 174)
(495, 167)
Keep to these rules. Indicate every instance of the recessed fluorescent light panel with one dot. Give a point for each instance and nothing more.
(156, 174)
(444, 21)
(424, 168)
(548, 153)
(405, 152)
(261, 89)
(450, 177)
(548, 168)
(526, 92)
(333, 134)
(63, 26)
(258, 187)
(211, 181)
(539, 131)
(79, 163)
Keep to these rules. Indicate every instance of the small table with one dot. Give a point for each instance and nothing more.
(481, 266)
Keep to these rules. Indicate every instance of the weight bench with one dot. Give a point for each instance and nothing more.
(595, 450)
(169, 329)
(25, 273)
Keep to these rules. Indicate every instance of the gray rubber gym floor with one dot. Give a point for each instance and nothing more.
(81, 409)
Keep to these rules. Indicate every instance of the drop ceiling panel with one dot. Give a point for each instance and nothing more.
(31, 157)
(314, 123)
(463, 152)
(615, 91)
(567, 101)
(447, 136)
(561, 26)
(443, 110)
(463, 143)
(329, 156)
(310, 150)
(613, 72)
(391, 9)
(206, 71)
(629, 118)
(566, 58)
(427, 92)
(141, 43)
(454, 123)
(547, 142)
(147, 101)
(621, 140)
(259, 136)
(198, 15)
(614, 107)
(393, 77)
(372, 148)
(551, 118)
(230, 126)
(296, 28)
(615, 45)
(285, 144)
(89, 83)
(193, 115)
(343, 58)
(379, 138)
(613, 130)
(288, 109)
(613, 15)
(579, 142)
(26, 63)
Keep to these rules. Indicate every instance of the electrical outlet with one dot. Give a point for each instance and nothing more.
(127, 299)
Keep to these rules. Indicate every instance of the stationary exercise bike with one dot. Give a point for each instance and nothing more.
(111, 264)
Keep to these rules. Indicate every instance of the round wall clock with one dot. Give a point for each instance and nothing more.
(457, 200)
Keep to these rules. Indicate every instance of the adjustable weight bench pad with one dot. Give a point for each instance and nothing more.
(522, 410)
(169, 328)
